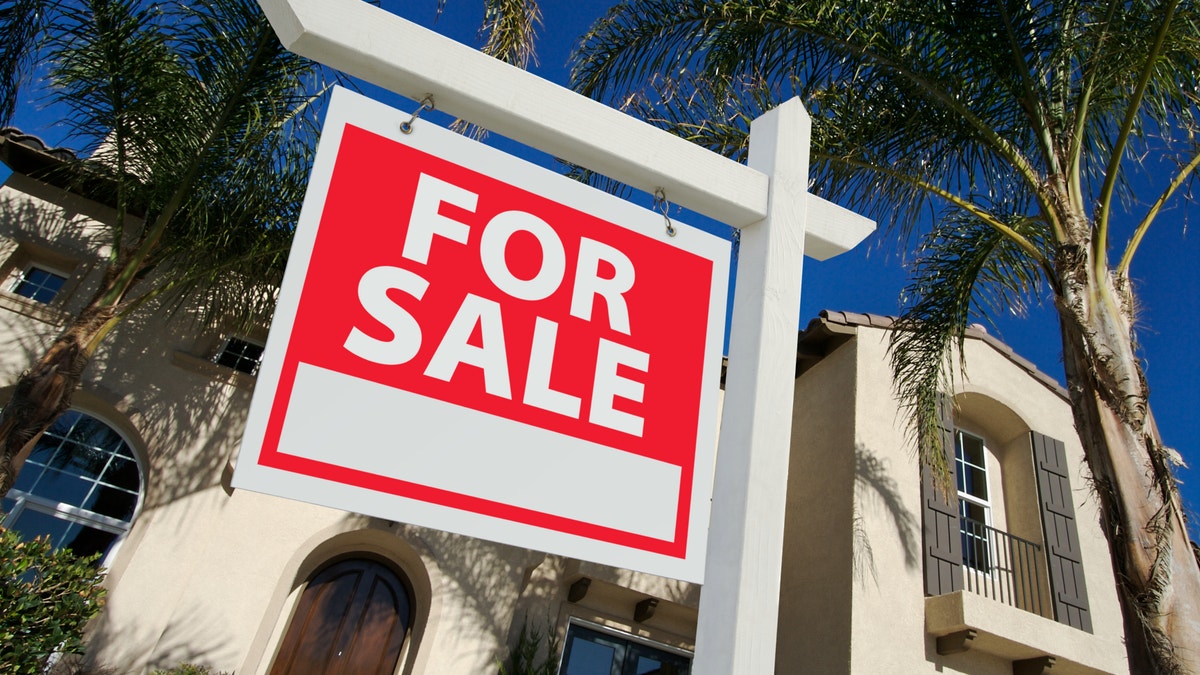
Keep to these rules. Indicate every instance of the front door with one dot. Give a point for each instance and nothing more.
(351, 620)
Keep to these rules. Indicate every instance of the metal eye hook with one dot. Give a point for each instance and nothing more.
(426, 104)
(661, 203)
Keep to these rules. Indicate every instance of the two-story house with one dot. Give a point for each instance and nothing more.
(881, 573)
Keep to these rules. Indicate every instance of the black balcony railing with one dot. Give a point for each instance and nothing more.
(1006, 568)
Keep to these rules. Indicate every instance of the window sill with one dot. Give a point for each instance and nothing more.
(207, 368)
(1017, 635)
(33, 309)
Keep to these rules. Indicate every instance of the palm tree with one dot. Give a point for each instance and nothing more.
(200, 128)
(1019, 125)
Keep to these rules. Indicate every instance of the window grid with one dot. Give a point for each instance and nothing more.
(970, 458)
(38, 284)
(241, 355)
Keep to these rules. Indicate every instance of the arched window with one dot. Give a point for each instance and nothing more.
(80, 486)
(352, 618)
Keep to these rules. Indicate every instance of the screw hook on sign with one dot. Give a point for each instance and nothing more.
(426, 104)
(661, 203)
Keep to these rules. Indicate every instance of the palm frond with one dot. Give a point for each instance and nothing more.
(965, 270)
(202, 125)
(511, 29)
(20, 23)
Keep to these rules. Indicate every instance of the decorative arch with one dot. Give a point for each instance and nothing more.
(1006, 436)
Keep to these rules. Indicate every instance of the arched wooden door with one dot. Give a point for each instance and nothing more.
(351, 620)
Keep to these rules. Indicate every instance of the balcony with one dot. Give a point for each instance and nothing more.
(1004, 609)
(1005, 568)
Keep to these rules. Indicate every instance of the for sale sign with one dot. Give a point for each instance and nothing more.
(469, 342)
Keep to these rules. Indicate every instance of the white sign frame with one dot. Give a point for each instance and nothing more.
(334, 419)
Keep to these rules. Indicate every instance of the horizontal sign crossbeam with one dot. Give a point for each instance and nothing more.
(401, 56)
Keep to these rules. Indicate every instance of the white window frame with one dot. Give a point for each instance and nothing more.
(19, 277)
(963, 496)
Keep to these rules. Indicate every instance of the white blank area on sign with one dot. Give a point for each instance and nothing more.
(358, 424)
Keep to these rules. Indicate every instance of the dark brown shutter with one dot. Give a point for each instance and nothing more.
(1062, 538)
(943, 538)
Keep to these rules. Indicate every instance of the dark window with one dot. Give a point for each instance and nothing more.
(80, 486)
(38, 284)
(241, 355)
(594, 652)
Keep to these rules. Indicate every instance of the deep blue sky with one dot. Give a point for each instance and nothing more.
(870, 278)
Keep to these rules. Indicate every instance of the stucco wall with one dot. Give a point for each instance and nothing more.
(820, 568)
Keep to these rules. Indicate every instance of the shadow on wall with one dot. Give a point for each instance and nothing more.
(185, 641)
(60, 229)
(487, 579)
(875, 486)
(192, 421)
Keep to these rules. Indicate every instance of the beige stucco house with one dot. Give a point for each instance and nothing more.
(881, 574)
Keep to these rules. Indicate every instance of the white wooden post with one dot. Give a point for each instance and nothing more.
(739, 602)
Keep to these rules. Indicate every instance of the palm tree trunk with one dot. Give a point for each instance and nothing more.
(44, 391)
(1157, 574)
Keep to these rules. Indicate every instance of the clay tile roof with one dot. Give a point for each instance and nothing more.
(815, 338)
(34, 143)
(29, 155)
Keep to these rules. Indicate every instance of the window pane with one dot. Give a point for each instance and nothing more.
(85, 541)
(590, 658)
(646, 660)
(62, 487)
(28, 476)
(971, 449)
(83, 461)
(33, 524)
(650, 666)
(122, 473)
(62, 426)
(112, 502)
(974, 511)
(974, 482)
(43, 451)
(93, 433)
